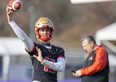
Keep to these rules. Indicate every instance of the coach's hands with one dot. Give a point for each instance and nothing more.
(9, 12)
(77, 73)
(39, 57)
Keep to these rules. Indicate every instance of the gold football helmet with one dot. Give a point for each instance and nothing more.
(44, 22)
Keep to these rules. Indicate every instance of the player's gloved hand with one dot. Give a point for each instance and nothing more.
(39, 57)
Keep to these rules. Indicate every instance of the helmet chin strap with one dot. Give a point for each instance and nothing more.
(46, 39)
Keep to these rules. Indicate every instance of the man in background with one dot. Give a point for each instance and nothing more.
(95, 68)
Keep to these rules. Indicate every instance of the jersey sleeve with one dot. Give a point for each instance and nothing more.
(33, 52)
(61, 53)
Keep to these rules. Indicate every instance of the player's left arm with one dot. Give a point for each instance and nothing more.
(57, 66)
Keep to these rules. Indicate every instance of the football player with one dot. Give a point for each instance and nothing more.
(46, 58)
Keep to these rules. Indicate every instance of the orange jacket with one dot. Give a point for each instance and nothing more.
(99, 64)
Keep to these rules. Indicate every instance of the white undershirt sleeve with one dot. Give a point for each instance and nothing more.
(58, 66)
(29, 45)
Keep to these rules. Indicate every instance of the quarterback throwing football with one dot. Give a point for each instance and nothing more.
(46, 58)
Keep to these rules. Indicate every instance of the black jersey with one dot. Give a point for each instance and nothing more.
(50, 53)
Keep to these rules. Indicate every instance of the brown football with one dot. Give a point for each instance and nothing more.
(15, 4)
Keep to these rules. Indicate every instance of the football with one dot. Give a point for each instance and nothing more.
(15, 4)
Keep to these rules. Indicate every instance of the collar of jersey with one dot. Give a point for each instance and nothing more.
(48, 45)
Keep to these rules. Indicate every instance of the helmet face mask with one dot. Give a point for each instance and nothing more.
(44, 23)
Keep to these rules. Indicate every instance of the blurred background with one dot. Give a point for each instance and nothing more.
(71, 21)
